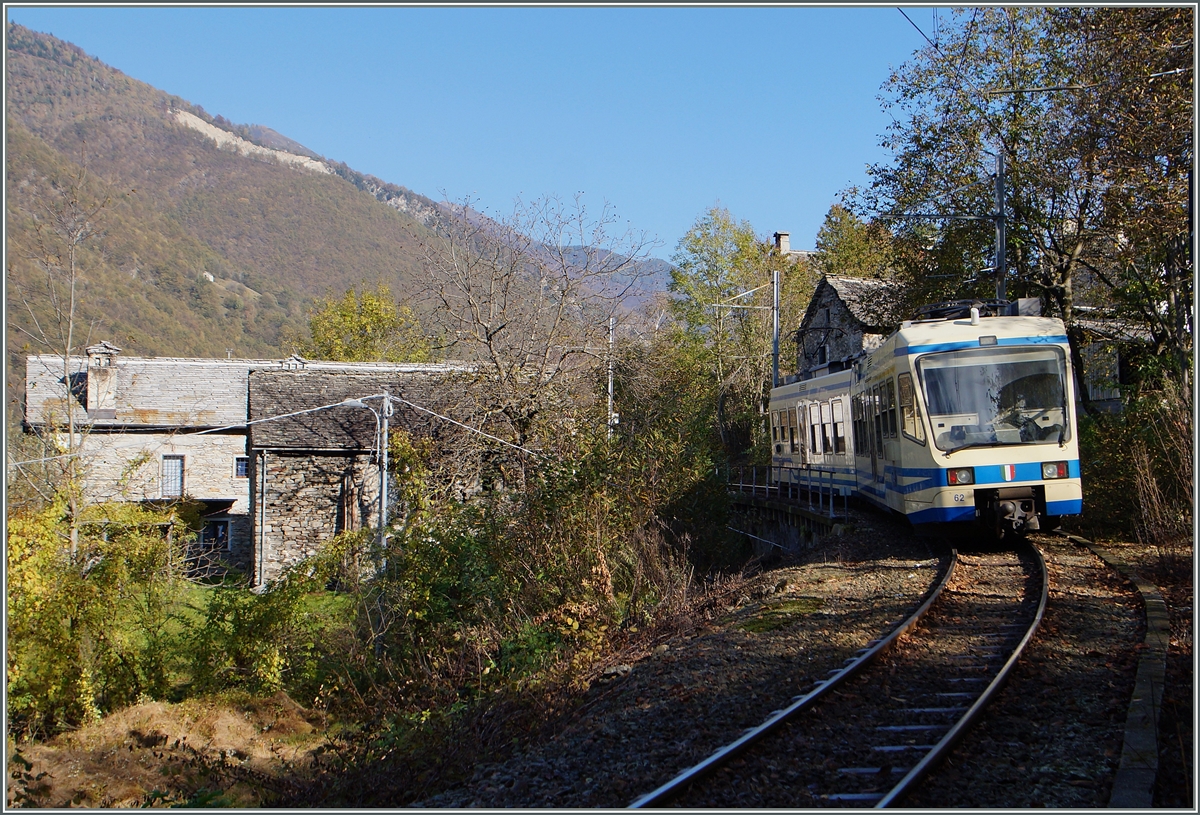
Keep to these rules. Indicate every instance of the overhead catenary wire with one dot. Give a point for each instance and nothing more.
(467, 427)
(349, 403)
(47, 458)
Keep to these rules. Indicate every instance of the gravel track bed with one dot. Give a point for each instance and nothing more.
(1052, 737)
(803, 761)
(694, 694)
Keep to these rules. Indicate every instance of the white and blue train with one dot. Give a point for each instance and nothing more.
(950, 421)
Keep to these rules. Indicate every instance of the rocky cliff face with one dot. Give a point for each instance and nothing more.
(231, 141)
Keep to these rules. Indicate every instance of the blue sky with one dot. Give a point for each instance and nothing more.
(661, 112)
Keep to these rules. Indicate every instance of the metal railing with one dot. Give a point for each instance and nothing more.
(815, 484)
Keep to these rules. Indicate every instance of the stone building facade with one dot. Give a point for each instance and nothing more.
(159, 429)
(155, 430)
(316, 473)
(846, 317)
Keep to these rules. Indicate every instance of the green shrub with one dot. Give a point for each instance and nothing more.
(96, 631)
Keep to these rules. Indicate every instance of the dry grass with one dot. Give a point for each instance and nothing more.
(162, 753)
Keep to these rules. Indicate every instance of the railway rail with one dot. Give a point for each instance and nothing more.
(872, 730)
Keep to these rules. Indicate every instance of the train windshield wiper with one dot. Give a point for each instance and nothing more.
(972, 444)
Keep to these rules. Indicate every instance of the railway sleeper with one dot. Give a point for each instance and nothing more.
(902, 748)
(901, 728)
(853, 797)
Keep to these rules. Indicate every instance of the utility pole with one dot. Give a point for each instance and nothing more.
(383, 475)
(611, 415)
(775, 334)
(1001, 255)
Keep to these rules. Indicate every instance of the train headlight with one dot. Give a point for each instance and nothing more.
(1054, 469)
(961, 475)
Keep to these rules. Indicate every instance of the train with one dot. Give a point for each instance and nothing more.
(962, 419)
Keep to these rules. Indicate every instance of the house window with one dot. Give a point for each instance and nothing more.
(215, 534)
(241, 467)
(172, 476)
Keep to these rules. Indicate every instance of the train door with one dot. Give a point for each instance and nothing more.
(862, 443)
(888, 458)
(877, 428)
(816, 449)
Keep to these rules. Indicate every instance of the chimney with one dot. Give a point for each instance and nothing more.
(102, 381)
(783, 242)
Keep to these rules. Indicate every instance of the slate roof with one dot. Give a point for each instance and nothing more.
(282, 392)
(874, 303)
(190, 393)
(150, 392)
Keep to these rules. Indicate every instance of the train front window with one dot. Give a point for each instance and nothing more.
(989, 397)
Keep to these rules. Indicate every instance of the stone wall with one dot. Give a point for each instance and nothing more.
(832, 326)
(301, 500)
(127, 466)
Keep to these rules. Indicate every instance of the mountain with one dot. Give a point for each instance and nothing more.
(205, 248)
(213, 238)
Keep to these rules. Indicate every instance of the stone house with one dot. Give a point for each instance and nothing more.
(155, 430)
(316, 472)
(1109, 352)
(846, 317)
(159, 429)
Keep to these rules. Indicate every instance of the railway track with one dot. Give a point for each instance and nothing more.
(873, 729)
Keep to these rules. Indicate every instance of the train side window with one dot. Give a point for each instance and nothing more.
(862, 446)
(826, 428)
(793, 433)
(877, 410)
(891, 409)
(839, 426)
(855, 421)
(774, 425)
(814, 423)
(910, 410)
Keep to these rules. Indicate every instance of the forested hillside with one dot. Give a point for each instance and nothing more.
(174, 209)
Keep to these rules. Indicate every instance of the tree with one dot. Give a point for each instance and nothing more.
(366, 327)
(1039, 87)
(1135, 66)
(847, 245)
(68, 222)
(717, 264)
(91, 586)
(529, 298)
